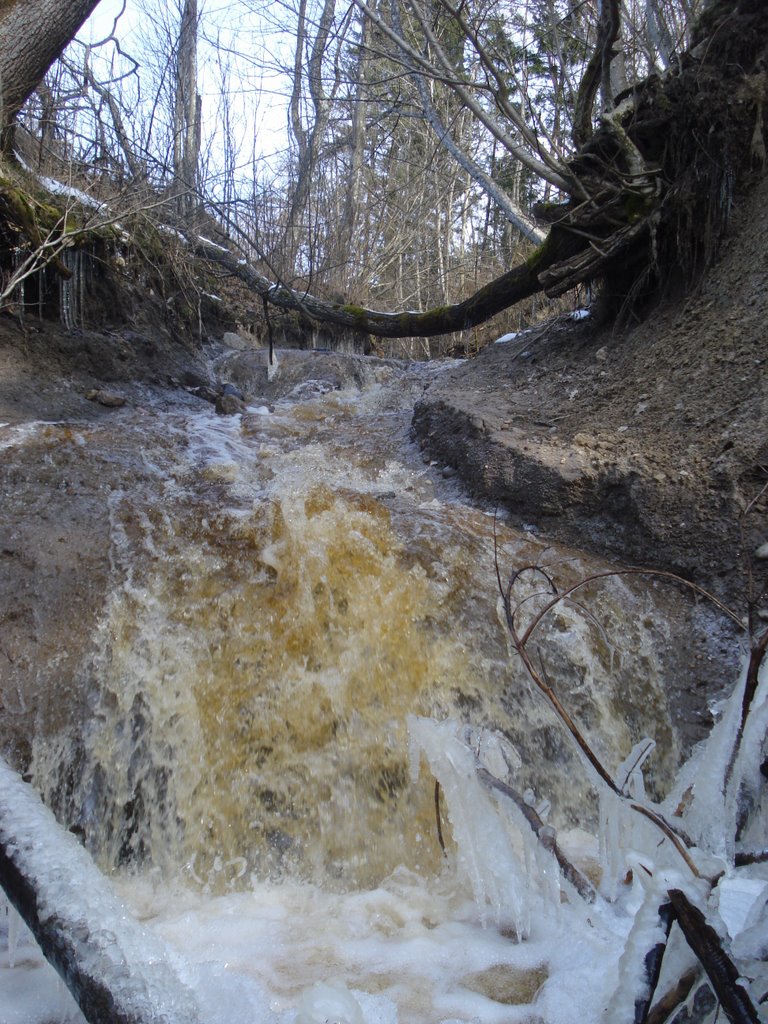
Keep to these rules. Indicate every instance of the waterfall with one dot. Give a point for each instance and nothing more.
(285, 593)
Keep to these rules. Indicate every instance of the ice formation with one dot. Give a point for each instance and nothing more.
(75, 904)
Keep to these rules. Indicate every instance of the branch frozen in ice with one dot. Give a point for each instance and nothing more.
(116, 970)
(721, 970)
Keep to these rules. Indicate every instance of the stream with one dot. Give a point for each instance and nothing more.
(285, 588)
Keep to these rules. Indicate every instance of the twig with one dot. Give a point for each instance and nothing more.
(744, 857)
(624, 572)
(756, 655)
(672, 835)
(579, 881)
(547, 690)
(438, 820)
(672, 998)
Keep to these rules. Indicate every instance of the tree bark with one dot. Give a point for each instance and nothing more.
(187, 111)
(721, 970)
(26, 53)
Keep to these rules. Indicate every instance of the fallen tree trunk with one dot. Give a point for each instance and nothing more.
(117, 971)
(518, 284)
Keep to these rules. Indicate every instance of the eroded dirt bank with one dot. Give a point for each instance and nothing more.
(646, 446)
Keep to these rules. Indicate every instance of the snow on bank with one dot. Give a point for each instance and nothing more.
(58, 188)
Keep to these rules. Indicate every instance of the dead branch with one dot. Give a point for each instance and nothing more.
(721, 970)
(594, 577)
(652, 964)
(744, 857)
(570, 872)
(543, 685)
(438, 819)
(672, 998)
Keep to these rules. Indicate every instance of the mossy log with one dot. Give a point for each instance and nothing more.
(505, 291)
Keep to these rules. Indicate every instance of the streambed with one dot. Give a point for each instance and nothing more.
(214, 652)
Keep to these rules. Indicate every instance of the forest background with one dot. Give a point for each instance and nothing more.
(397, 157)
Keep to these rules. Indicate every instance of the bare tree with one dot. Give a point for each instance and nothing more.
(187, 111)
(642, 190)
(26, 56)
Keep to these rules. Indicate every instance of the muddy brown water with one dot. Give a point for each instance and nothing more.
(214, 629)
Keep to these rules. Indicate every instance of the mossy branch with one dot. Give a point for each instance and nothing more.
(514, 286)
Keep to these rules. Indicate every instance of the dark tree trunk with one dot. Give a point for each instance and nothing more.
(117, 972)
(32, 35)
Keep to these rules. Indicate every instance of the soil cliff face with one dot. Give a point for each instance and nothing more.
(647, 446)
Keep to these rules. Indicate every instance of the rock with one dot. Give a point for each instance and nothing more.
(762, 551)
(110, 399)
(602, 354)
(236, 341)
(232, 389)
(229, 405)
(206, 392)
(197, 384)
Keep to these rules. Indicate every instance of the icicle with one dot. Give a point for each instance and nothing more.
(485, 853)
(64, 298)
(629, 775)
(746, 792)
(708, 813)
(68, 290)
(493, 751)
(609, 835)
(14, 931)
(22, 286)
(83, 264)
(548, 870)
(639, 964)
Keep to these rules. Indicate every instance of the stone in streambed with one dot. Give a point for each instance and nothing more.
(109, 399)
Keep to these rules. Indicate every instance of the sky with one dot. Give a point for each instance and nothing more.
(258, 93)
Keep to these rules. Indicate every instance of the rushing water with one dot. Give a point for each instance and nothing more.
(286, 588)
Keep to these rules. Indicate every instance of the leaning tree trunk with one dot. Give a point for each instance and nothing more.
(26, 54)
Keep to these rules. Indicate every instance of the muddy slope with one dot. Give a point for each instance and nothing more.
(645, 446)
